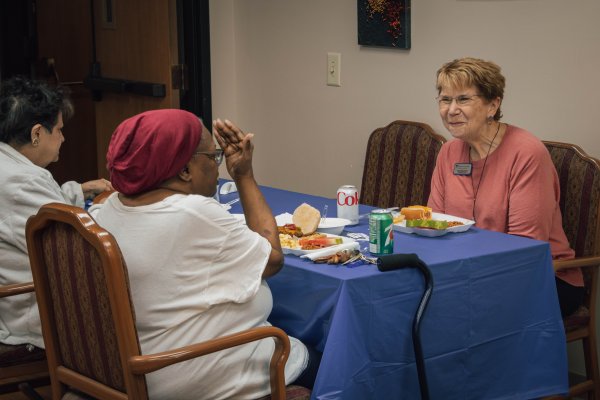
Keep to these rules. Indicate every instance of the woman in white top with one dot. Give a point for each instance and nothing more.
(195, 271)
(31, 119)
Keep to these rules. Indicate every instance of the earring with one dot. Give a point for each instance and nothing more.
(490, 119)
(35, 142)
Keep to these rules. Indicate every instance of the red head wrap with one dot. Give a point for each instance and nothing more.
(151, 147)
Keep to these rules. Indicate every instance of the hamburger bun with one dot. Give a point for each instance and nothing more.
(416, 212)
(307, 218)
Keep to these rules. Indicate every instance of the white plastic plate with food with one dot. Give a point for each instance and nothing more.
(465, 226)
(326, 225)
(285, 246)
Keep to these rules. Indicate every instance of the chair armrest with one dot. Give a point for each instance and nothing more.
(15, 289)
(579, 262)
(145, 364)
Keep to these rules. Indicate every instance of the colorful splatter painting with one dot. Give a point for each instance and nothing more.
(384, 23)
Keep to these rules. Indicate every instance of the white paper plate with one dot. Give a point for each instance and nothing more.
(300, 252)
(467, 223)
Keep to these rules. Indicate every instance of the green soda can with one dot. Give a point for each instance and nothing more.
(381, 234)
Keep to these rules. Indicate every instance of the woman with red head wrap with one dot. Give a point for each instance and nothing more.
(196, 272)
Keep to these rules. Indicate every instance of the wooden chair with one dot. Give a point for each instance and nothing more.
(399, 162)
(101, 197)
(22, 367)
(88, 319)
(579, 176)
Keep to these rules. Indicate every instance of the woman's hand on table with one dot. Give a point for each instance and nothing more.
(237, 147)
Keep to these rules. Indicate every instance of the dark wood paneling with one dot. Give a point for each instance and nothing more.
(141, 46)
(65, 36)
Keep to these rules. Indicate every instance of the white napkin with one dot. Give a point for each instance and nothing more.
(228, 187)
(331, 250)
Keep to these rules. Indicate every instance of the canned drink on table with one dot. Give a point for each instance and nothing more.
(381, 234)
(347, 203)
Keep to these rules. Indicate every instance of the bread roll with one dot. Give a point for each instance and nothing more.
(307, 218)
(416, 212)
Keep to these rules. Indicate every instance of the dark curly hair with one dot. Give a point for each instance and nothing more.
(25, 103)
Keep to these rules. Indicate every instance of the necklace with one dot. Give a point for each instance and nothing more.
(482, 170)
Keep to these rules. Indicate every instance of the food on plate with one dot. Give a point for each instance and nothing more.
(454, 223)
(439, 224)
(397, 217)
(318, 241)
(309, 242)
(426, 223)
(307, 218)
(338, 258)
(288, 241)
(290, 229)
(416, 212)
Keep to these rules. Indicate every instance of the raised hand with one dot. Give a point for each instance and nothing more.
(237, 147)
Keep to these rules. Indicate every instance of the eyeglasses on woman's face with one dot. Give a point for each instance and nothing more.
(216, 155)
(462, 101)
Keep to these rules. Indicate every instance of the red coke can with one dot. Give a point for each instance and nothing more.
(347, 203)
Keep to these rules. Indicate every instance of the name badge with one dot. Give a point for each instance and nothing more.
(463, 169)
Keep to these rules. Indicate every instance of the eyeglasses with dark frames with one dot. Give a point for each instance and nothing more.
(216, 155)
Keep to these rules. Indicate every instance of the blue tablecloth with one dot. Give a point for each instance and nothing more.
(492, 329)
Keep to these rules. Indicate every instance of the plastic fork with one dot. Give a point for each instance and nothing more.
(324, 215)
(362, 257)
(232, 202)
(357, 235)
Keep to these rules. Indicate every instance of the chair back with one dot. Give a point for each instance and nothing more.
(399, 163)
(83, 296)
(579, 177)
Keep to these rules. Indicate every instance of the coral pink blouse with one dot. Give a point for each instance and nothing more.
(518, 192)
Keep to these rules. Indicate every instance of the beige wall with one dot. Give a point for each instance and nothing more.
(269, 71)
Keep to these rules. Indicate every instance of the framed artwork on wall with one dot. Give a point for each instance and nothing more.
(384, 23)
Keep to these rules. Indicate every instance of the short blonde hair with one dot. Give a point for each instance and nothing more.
(468, 71)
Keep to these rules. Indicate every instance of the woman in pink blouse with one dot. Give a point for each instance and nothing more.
(497, 174)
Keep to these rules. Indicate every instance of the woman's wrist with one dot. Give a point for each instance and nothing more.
(244, 179)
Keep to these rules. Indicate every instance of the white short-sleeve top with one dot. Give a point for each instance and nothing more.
(195, 274)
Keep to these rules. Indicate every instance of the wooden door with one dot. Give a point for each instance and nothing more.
(135, 40)
(64, 54)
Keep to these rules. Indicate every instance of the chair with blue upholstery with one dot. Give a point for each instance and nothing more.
(88, 319)
(399, 163)
(579, 176)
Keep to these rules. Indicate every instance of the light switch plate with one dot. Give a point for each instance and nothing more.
(334, 65)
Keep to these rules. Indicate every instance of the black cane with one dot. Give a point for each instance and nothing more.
(396, 261)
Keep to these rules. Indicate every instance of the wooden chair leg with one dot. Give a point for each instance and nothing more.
(591, 365)
(29, 391)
